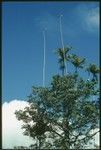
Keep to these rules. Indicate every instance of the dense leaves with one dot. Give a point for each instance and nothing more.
(63, 115)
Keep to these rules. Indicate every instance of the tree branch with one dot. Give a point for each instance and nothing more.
(91, 135)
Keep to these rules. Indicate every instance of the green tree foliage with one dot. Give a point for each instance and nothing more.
(62, 115)
(63, 57)
(94, 70)
(77, 62)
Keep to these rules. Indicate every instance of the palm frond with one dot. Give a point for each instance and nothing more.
(93, 68)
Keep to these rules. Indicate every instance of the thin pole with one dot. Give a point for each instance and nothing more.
(44, 58)
(61, 34)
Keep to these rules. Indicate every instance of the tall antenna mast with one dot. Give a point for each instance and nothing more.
(61, 34)
(44, 58)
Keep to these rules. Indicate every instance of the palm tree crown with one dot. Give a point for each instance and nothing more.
(94, 70)
(63, 57)
(77, 62)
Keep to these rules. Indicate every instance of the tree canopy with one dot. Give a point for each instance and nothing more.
(63, 115)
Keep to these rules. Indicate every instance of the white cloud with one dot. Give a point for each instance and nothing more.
(12, 134)
(96, 139)
(88, 16)
(92, 19)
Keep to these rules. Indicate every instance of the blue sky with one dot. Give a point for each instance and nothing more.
(22, 41)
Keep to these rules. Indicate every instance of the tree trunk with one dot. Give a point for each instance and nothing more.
(66, 127)
(63, 72)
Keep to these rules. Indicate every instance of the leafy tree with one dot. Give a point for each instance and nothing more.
(62, 115)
